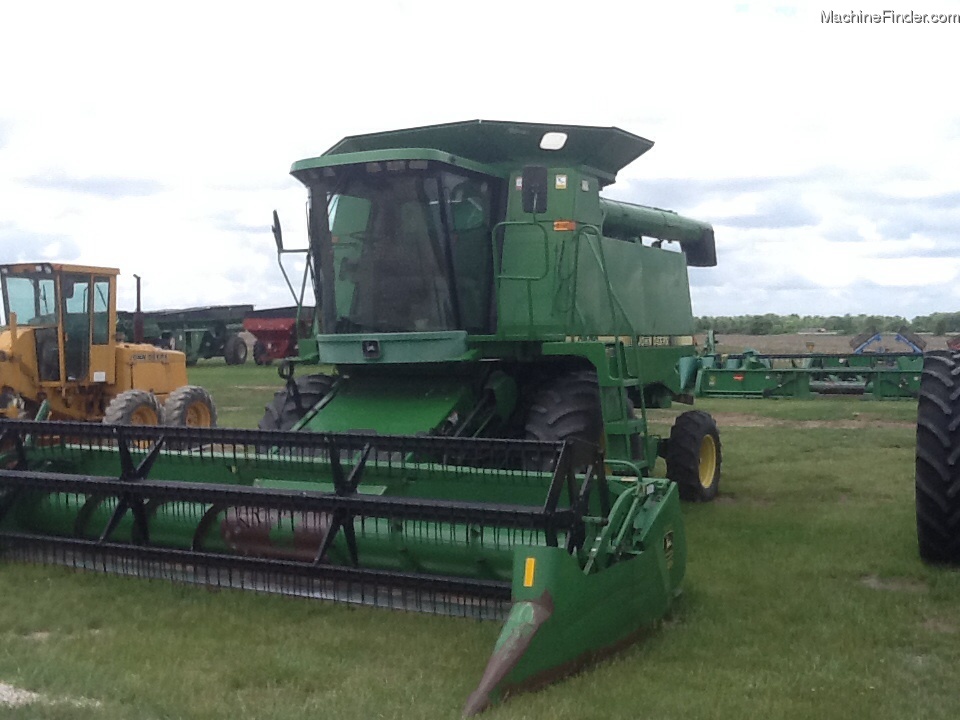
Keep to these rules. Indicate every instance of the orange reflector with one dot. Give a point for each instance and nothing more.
(528, 570)
(561, 225)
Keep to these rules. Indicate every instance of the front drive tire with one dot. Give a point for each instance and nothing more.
(284, 412)
(134, 407)
(937, 462)
(567, 406)
(694, 456)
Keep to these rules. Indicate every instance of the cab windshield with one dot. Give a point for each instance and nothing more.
(402, 250)
(32, 297)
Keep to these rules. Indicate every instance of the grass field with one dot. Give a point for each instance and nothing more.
(804, 598)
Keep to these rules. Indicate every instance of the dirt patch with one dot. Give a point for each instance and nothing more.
(729, 498)
(941, 627)
(875, 582)
(12, 696)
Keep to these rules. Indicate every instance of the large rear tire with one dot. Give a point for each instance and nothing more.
(190, 406)
(134, 407)
(694, 456)
(938, 464)
(568, 406)
(235, 350)
(285, 411)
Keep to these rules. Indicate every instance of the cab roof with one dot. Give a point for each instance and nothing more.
(502, 144)
(56, 268)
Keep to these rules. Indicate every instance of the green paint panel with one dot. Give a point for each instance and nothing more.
(393, 348)
(393, 405)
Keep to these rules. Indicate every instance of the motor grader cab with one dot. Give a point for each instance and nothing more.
(59, 354)
(499, 332)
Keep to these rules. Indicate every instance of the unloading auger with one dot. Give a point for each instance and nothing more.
(498, 332)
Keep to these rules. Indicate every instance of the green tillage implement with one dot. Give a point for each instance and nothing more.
(440, 524)
(880, 376)
(200, 333)
(498, 332)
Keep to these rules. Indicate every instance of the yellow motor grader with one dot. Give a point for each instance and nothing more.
(60, 356)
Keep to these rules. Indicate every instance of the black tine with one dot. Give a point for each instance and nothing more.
(350, 535)
(144, 467)
(118, 512)
(127, 471)
(140, 519)
(328, 537)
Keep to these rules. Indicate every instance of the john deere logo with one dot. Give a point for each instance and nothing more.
(668, 548)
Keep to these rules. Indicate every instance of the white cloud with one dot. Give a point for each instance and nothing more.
(208, 104)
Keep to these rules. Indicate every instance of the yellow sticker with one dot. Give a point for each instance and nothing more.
(528, 570)
(561, 182)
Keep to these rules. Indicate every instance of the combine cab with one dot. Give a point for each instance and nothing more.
(499, 332)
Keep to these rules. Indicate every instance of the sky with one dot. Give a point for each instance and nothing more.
(157, 138)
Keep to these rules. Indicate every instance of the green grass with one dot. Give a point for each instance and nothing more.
(804, 598)
(240, 391)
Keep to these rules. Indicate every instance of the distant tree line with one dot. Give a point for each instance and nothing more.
(770, 324)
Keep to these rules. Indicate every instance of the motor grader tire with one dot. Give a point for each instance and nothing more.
(134, 407)
(937, 462)
(568, 406)
(190, 406)
(694, 456)
(286, 410)
(235, 350)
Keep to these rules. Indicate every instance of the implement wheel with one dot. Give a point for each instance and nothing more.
(261, 356)
(190, 406)
(693, 456)
(134, 407)
(235, 350)
(938, 464)
(568, 406)
(287, 409)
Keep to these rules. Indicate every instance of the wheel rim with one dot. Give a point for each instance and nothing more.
(197, 414)
(708, 460)
(144, 415)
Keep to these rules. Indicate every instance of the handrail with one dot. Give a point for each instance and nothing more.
(528, 279)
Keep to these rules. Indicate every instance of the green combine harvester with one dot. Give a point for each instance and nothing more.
(499, 332)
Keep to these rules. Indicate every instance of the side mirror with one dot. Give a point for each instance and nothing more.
(277, 233)
(534, 189)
